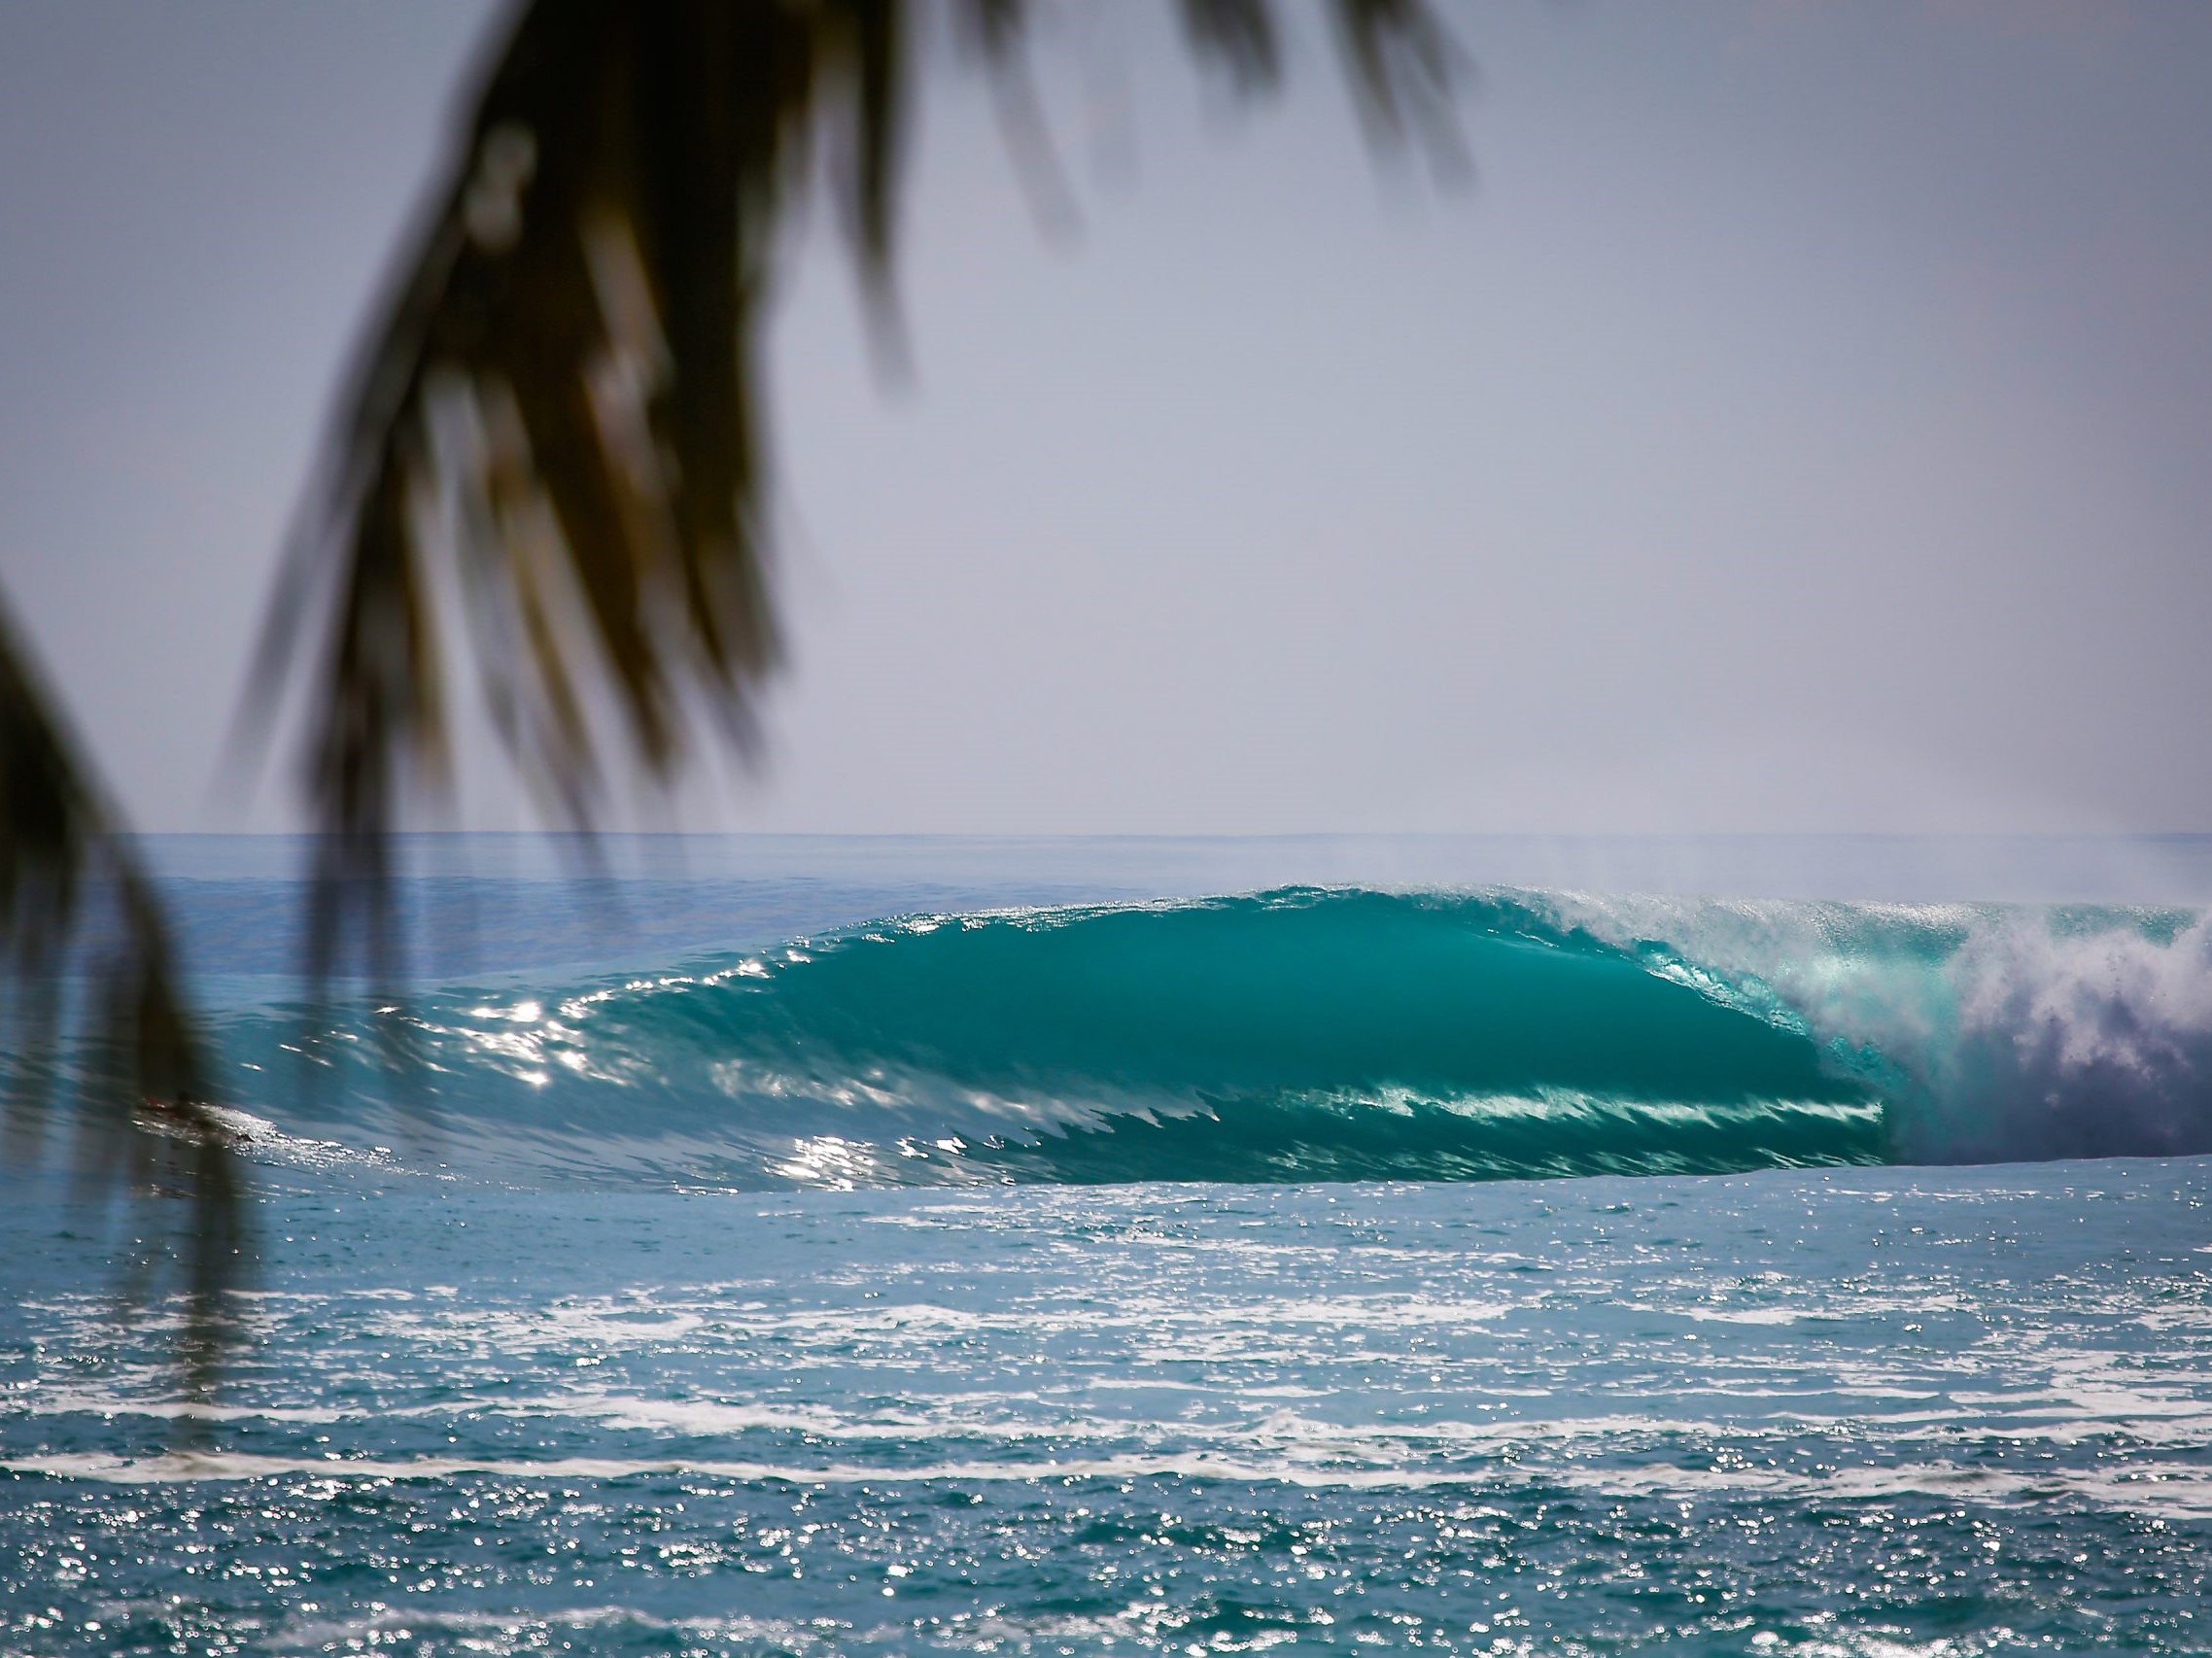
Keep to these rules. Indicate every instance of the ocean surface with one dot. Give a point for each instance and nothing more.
(762, 1245)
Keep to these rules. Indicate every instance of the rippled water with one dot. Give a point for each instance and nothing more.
(1862, 1411)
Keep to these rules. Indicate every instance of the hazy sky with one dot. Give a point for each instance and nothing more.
(1806, 422)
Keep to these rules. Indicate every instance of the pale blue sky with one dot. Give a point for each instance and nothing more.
(1804, 424)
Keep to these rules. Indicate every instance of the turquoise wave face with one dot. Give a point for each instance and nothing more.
(1306, 1034)
(1294, 1035)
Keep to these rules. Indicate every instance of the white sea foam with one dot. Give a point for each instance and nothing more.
(2021, 1032)
(265, 1140)
(2143, 1487)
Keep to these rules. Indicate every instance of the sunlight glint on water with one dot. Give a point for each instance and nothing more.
(759, 1297)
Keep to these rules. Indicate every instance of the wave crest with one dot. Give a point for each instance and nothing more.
(1309, 1035)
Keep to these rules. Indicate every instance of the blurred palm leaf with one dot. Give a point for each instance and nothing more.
(550, 444)
(554, 430)
(80, 922)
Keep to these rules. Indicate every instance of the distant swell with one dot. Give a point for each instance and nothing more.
(1302, 1035)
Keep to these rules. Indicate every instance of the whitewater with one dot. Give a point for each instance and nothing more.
(812, 1245)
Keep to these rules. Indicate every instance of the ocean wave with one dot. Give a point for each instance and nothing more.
(1301, 1034)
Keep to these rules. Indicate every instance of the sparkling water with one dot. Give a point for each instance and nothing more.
(781, 1247)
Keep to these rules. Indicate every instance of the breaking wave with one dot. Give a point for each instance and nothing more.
(1300, 1034)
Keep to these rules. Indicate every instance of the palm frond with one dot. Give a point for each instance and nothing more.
(78, 907)
(1405, 72)
(557, 415)
(558, 418)
(1239, 37)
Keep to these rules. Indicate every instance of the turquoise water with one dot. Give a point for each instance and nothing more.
(826, 1247)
